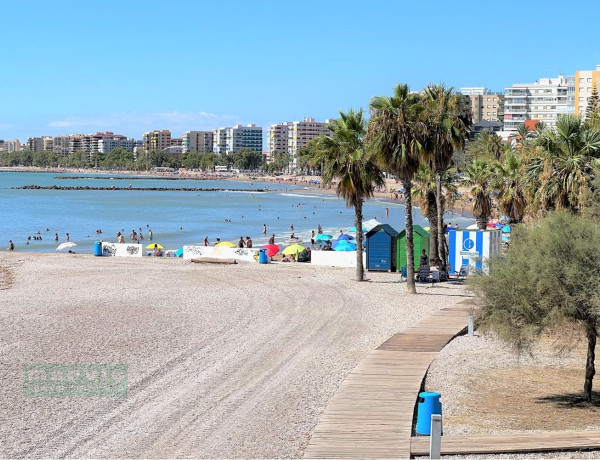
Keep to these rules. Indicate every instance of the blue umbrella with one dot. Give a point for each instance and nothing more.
(505, 239)
(353, 230)
(337, 243)
(179, 252)
(323, 236)
(344, 236)
(506, 229)
(345, 247)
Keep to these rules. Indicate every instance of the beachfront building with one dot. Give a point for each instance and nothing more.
(12, 146)
(232, 139)
(485, 105)
(543, 100)
(157, 140)
(60, 145)
(106, 143)
(584, 82)
(277, 137)
(35, 144)
(290, 136)
(197, 141)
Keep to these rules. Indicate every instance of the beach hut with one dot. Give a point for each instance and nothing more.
(471, 248)
(381, 248)
(421, 240)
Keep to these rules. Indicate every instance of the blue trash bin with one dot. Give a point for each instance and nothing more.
(429, 403)
(262, 257)
(98, 248)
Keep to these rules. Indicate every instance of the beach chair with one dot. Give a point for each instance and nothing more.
(464, 272)
(423, 274)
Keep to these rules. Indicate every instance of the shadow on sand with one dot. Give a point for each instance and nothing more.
(571, 400)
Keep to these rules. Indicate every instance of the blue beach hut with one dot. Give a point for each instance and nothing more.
(381, 248)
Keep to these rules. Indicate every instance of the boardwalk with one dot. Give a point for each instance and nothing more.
(371, 414)
(511, 443)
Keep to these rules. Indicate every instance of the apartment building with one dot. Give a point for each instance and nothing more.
(60, 145)
(232, 139)
(290, 136)
(485, 105)
(277, 137)
(198, 141)
(544, 100)
(584, 81)
(35, 144)
(12, 146)
(157, 140)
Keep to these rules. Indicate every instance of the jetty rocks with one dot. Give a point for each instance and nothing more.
(140, 189)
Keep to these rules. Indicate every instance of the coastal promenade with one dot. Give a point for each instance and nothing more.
(371, 415)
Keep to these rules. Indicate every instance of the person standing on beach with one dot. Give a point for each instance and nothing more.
(272, 239)
(150, 234)
(248, 242)
(241, 242)
(312, 237)
(319, 229)
(11, 246)
(264, 229)
(206, 241)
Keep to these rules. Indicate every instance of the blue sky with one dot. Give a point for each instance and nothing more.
(133, 66)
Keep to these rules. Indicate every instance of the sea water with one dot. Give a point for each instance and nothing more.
(175, 217)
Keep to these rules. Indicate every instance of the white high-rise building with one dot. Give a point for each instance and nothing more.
(232, 139)
(543, 100)
(290, 136)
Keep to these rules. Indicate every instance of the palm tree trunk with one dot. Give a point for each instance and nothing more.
(433, 226)
(590, 370)
(440, 216)
(410, 245)
(358, 218)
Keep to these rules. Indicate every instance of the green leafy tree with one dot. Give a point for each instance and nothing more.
(508, 182)
(344, 157)
(247, 159)
(486, 144)
(478, 176)
(447, 130)
(559, 173)
(593, 106)
(545, 284)
(393, 134)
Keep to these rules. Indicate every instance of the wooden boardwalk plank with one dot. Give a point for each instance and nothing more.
(511, 443)
(371, 414)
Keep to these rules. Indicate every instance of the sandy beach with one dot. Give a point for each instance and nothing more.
(223, 361)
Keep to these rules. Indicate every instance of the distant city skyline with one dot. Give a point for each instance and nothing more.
(137, 66)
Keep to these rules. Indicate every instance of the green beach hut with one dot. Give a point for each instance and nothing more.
(421, 239)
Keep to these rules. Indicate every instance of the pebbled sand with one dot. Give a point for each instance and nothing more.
(224, 361)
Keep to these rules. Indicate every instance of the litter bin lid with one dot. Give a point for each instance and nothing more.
(428, 394)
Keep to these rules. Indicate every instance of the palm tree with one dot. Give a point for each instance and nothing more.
(424, 194)
(344, 157)
(508, 182)
(477, 176)
(393, 134)
(560, 174)
(446, 132)
(523, 134)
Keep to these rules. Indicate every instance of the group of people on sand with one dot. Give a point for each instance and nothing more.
(244, 244)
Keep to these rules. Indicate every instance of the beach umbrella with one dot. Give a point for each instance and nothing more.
(323, 236)
(353, 230)
(272, 249)
(155, 245)
(345, 247)
(473, 227)
(179, 252)
(506, 229)
(293, 249)
(344, 236)
(67, 245)
(370, 224)
(505, 239)
(226, 244)
(504, 219)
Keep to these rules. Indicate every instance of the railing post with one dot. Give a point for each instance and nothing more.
(435, 439)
